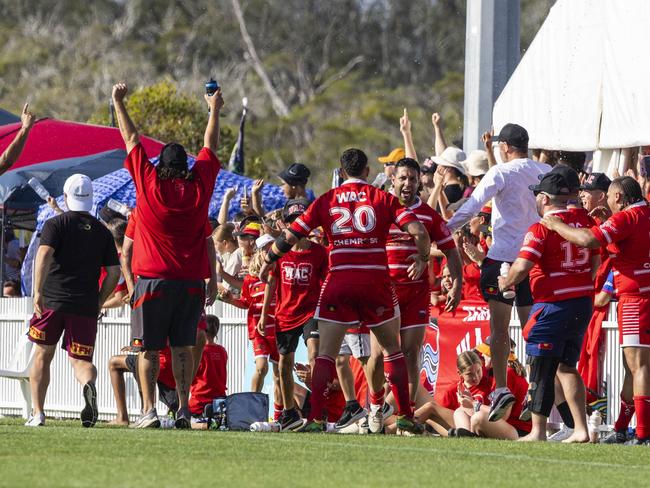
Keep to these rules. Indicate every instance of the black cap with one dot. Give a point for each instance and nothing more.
(596, 181)
(296, 174)
(552, 183)
(294, 208)
(173, 155)
(514, 135)
(570, 176)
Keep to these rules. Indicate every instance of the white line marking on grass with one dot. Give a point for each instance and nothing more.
(514, 457)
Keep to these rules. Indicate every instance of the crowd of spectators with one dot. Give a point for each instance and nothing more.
(457, 226)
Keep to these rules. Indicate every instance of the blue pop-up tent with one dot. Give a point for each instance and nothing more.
(118, 185)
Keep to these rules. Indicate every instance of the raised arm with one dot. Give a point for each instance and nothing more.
(229, 194)
(487, 142)
(405, 129)
(256, 197)
(440, 144)
(211, 137)
(12, 153)
(127, 127)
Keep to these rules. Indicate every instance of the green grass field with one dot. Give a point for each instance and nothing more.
(65, 454)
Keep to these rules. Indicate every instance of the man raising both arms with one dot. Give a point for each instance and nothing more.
(513, 212)
(170, 253)
(356, 218)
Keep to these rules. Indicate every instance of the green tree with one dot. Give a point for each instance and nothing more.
(161, 112)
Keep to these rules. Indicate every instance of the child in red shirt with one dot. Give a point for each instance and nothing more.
(210, 380)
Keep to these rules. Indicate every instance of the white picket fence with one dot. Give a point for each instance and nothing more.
(64, 394)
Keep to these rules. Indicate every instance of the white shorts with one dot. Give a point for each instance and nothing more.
(355, 345)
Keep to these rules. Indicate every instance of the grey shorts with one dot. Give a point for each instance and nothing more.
(355, 345)
(165, 310)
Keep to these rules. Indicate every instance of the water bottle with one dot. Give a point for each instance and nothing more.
(265, 427)
(211, 87)
(118, 207)
(38, 188)
(166, 422)
(594, 423)
(510, 293)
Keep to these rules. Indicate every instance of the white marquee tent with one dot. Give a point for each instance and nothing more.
(584, 83)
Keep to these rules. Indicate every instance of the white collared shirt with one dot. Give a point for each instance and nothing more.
(513, 208)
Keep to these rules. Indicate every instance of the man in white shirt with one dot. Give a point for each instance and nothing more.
(513, 211)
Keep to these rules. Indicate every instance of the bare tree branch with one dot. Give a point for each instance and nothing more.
(339, 75)
(279, 106)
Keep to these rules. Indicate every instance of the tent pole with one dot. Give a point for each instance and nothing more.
(2, 251)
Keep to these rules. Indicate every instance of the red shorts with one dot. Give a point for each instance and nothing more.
(265, 346)
(353, 300)
(79, 332)
(634, 320)
(413, 305)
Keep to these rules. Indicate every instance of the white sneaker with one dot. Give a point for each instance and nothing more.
(375, 419)
(562, 434)
(36, 420)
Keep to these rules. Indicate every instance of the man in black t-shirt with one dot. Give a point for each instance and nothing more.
(74, 247)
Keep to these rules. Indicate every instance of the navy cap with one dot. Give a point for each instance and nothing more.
(596, 181)
(514, 135)
(552, 183)
(296, 174)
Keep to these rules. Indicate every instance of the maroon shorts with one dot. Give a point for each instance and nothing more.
(414, 303)
(79, 332)
(634, 320)
(347, 300)
(265, 346)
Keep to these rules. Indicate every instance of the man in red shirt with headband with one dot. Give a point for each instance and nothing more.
(170, 252)
(356, 218)
(627, 237)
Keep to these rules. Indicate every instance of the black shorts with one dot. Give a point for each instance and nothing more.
(490, 272)
(310, 330)
(287, 341)
(131, 361)
(168, 396)
(166, 309)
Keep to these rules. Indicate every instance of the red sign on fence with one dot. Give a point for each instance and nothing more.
(446, 337)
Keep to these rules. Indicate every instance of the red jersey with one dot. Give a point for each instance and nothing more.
(165, 374)
(562, 270)
(480, 392)
(252, 295)
(472, 282)
(401, 245)
(299, 278)
(627, 237)
(169, 238)
(356, 219)
(360, 382)
(210, 380)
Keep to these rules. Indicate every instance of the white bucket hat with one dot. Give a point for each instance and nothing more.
(452, 157)
(476, 163)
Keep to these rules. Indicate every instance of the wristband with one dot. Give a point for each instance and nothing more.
(271, 257)
(425, 258)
